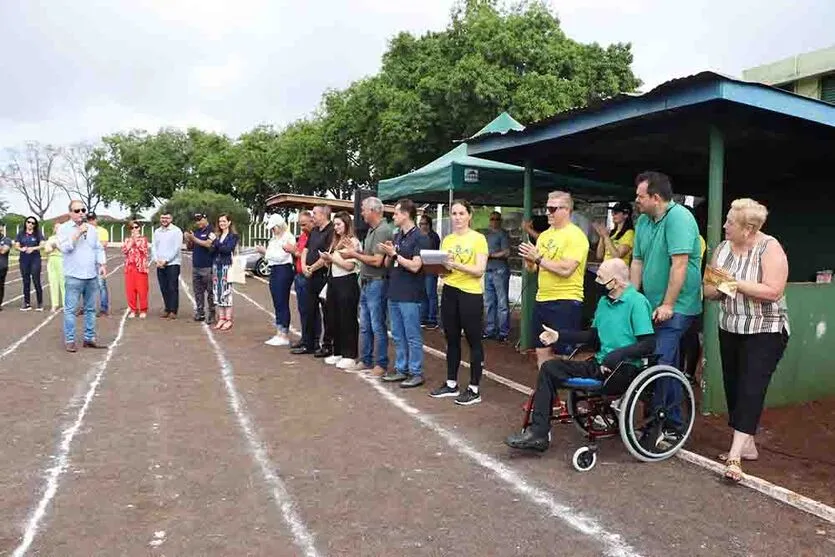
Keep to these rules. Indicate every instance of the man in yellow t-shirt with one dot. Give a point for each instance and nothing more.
(104, 239)
(559, 258)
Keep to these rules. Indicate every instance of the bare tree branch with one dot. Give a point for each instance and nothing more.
(29, 173)
(76, 177)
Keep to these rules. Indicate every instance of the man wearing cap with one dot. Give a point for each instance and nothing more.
(497, 281)
(165, 252)
(5, 248)
(202, 258)
(622, 331)
(104, 239)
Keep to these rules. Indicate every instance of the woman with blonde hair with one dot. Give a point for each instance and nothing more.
(343, 294)
(279, 255)
(55, 269)
(748, 275)
(136, 250)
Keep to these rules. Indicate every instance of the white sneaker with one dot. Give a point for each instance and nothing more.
(347, 364)
(274, 341)
(131, 315)
(333, 360)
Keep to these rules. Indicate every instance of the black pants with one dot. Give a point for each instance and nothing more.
(169, 286)
(748, 361)
(461, 310)
(343, 305)
(3, 271)
(315, 285)
(204, 294)
(552, 375)
(690, 348)
(30, 270)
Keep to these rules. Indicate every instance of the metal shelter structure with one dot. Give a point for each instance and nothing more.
(719, 138)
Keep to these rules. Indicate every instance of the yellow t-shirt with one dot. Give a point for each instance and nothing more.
(569, 242)
(464, 249)
(103, 234)
(703, 244)
(628, 239)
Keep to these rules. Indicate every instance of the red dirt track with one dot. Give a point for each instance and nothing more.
(162, 464)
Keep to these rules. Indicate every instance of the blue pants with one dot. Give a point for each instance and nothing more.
(373, 334)
(281, 279)
(429, 304)
(408, 338)
(667, 341)
(104, 297)
(30, 270)
(300, 283)
(496, 303)
(76, 289)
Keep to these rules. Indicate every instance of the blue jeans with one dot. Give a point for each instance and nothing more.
(373, 334)
(74, 290)
(104, 297)
(300, 284)
(281, 279)
(429, 304)
(408, 338)
(667, 341)
(496, 303)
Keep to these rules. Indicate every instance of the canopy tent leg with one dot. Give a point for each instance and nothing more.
(528, 279)
(713, 400)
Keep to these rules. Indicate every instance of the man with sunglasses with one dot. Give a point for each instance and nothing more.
(559, 258)
(621, 332)
(5, 248)
(84, 262)
(202, 260)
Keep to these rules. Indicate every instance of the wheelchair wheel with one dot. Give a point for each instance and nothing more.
(581, 405)
(584, 459)
(651, 426)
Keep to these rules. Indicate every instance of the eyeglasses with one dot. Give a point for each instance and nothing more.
(553, 210)
(82, 210)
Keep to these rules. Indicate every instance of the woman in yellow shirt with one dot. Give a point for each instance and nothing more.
(462, 303)
(618, 241)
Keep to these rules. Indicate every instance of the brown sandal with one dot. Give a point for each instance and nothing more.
(723, 457)
(733, 471)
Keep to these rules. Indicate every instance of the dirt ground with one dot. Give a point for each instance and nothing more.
(178, 441)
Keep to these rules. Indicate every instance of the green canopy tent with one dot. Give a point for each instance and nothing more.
(486, 182)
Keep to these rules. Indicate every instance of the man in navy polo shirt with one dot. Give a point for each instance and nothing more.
(202, 258)
(622, 331)
(5, 248)
(405, 294)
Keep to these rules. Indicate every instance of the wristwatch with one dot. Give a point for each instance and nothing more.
(538, 260)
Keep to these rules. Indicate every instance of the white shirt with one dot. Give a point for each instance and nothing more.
(336, 270)
(275, 250)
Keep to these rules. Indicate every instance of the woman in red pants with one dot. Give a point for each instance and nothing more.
(136, 250)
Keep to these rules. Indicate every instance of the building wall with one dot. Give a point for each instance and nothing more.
(796, 68)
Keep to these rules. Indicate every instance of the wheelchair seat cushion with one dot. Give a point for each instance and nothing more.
(583, 383)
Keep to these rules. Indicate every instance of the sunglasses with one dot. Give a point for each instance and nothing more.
(135, 227)
(495, 220)
(31, 222)
(553, 210)
(82, 210)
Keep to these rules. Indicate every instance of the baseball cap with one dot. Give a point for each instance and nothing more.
(275, 220)
(199, 216)
(622, 207)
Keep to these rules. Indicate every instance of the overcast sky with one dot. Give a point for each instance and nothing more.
(79, 69)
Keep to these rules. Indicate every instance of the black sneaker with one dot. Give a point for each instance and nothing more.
(468, 397)
(39, 308)
(444, 391)
(199, 317)
(26, 307)
(431, 326)
(528, 441)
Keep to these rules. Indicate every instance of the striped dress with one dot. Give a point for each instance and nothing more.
(742, 314)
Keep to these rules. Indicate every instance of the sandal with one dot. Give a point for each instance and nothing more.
(219, 324)
(227, 324)
(733, 471)
(723, 457)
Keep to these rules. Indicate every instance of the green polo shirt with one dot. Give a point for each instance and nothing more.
(620, 322)
(675, 233)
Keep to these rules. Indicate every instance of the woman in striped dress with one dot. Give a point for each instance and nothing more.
(753, 322)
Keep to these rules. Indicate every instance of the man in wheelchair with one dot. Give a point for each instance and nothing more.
(622, 332)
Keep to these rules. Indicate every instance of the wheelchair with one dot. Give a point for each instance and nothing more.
(624, 403)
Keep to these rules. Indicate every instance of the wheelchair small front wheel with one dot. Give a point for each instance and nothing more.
(584, 459)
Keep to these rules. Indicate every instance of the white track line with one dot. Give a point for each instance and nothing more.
(53, 475)
(302, 536)
(779, 493)
(615, 546)
(43, 323)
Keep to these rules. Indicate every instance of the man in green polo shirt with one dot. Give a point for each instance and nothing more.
(667, 262)
(622, 331)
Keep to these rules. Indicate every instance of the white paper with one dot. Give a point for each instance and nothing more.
(433, 256)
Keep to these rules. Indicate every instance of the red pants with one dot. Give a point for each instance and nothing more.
(136, 286)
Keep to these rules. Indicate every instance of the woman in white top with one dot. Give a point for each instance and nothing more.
(278, 254)
(343, 295)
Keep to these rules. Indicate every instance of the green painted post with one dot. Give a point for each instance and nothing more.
(713, 400)
(528, 279)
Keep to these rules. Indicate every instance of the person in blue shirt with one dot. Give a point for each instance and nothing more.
(84, 262)
(202, 257)
(29, 242)
(429, 305)
(622, 331)
(165, 252)
(497, 281)
(224, 245)
(5, 248)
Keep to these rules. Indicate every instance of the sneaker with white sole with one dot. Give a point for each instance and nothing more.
(277, 340)
(468, 397)
(444, 391)
(346, 363)
(333, 360)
